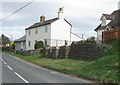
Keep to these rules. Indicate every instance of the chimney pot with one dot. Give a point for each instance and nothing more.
(42, 18)
(61, 9)
(61, 13)
(119, 5)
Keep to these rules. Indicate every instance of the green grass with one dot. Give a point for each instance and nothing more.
(105, 68)
(62, 65)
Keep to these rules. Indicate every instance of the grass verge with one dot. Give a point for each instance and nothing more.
(104, 69)
(68, 66)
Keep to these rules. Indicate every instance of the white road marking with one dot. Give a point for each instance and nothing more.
(4, 62)
(21, 77)
(54, 72)
(9, 67)
(1, 59)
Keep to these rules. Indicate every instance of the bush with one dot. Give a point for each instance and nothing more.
(39, 44)
(7, 49)
(12, 46)
(112, 47)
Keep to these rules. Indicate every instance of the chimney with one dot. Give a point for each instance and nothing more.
(42, 18)
(119, 5)
(61, 13)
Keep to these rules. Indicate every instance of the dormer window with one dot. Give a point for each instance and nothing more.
(103, 19)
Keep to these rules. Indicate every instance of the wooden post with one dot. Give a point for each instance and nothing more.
(102, 37)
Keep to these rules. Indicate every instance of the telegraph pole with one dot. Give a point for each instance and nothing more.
(11, 38)
(82, 36)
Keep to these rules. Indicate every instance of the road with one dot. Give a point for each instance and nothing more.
(15, 70)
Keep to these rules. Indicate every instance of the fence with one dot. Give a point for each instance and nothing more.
(56, 42)
(110, 35)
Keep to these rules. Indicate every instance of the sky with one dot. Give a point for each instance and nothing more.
(84, 15)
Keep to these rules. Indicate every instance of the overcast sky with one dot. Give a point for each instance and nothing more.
(84, 15)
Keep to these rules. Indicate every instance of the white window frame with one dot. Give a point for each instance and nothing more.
(46, 28)
(36, 30)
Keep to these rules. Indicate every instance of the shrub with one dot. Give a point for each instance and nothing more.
(12, 46)
(112, 47)
(39, 44)
(7, 49)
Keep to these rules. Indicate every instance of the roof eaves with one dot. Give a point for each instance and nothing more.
(36, 26)
(75, 34)
(68, 22)
(55, 20)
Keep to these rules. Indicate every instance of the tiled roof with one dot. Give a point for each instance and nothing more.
(109, 17)
(100, 27)
(42, 23)
(21, 39)
(45, 23)
(114, 23)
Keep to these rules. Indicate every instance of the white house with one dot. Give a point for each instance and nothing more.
(20, 43)
(109, 21)
(53, 32)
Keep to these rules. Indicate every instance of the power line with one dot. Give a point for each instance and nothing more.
(16, 11)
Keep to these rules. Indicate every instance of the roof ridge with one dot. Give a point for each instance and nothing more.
(42, 23)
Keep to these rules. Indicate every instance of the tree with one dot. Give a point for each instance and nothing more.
(5, 40)
(12, 46)
(39, 44)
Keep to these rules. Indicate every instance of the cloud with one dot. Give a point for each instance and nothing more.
(16, 31)
(84, 15)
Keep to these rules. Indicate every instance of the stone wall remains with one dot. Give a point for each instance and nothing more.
(29, 52)
(88, 50)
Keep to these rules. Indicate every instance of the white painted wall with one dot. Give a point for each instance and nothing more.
(75, 38)
(103, 19)
(60, 30)
(108, 21)
(58, 33)
(40, 36)
(99, 34)
(20, 45)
